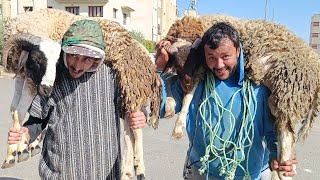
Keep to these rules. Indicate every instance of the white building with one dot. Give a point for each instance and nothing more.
(315, 33)
(150, 17)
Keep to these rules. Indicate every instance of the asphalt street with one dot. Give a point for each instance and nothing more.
(164, 156)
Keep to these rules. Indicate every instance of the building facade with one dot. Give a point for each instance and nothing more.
(315, 33)
(158, 14)
(5, 8)
(152, 18)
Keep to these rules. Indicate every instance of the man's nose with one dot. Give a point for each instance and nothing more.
(219, 64)
(77, 65)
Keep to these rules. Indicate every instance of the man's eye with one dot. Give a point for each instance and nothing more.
(89, 59)
(211, 58)
(225, 57)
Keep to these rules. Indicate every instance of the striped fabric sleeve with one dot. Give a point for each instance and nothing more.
(35, 126)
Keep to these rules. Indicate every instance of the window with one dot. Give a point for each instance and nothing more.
(27, 8)
(0, 9)
(314, 46)
(95, 11)
(49, 7)
(314, 35)
(125, 18)
(315, 24)
(74, 10)
(115, 13)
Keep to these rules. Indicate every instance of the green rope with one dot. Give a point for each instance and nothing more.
(245, 135)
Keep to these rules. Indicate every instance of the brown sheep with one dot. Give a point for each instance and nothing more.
(280, 60)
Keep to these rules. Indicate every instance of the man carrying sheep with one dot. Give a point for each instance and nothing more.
(229, 124)
(81, 117)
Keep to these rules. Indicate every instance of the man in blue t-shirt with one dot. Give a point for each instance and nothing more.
(229, 124)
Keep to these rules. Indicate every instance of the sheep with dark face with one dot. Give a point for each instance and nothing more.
(182, 56)
(183, 36)
(34, 60)
(138, 83)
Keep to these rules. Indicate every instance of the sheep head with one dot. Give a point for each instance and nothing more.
(34, 56)
(183, 57)
(184, 60)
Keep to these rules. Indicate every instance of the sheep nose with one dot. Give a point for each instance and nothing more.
(45, 90)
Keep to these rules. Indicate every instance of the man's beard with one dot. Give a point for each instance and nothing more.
(233, 71)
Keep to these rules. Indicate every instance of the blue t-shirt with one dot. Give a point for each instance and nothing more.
(264, 134)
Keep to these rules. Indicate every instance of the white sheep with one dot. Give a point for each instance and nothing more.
(280, 60)
(36, 70)
(137, 80)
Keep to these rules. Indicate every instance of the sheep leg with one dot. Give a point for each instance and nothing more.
(181, 120)
(138, 154)
(34, 146)
(127, 162)
(285, 149)
(12, 149)
(170, 102)
(28, 93)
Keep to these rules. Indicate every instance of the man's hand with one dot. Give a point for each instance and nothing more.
(14, 135)
(163, 56)
(288, 166)
(137, 120)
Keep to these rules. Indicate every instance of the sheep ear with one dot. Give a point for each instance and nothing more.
(22, 61)
(196, 43)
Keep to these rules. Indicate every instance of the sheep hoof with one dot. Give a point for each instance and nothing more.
(170, 107)
(126, 176)
(23, 156)
(8, 164)
(274, 175)
(35, 150)
(140, 177)
(177, 132)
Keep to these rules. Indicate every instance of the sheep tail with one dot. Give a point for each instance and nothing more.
(307, 123)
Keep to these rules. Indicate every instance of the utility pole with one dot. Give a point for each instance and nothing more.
(193, 4)
(265, 10)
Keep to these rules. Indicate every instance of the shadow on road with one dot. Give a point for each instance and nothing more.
(8, 178)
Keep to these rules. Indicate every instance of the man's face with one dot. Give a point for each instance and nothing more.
(223, 60)
(78, 64)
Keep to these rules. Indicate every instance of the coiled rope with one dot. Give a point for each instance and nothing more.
(228, 153)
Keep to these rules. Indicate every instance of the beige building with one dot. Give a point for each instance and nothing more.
(315, 33)
(157, 14)
(5, 8)
(150, 17)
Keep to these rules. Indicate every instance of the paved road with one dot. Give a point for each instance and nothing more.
(164, 156)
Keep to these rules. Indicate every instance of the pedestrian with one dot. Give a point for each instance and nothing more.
(81, 115)
(229, 124)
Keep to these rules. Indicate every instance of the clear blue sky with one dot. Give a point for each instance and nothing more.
(294, 14)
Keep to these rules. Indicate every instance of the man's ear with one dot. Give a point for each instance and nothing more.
(238, 52)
